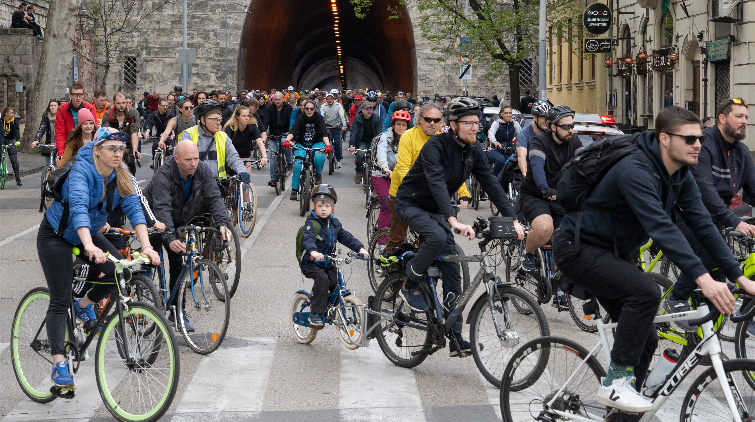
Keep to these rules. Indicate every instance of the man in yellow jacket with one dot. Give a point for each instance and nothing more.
(409, 147)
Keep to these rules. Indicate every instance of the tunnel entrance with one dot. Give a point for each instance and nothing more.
(293, 42)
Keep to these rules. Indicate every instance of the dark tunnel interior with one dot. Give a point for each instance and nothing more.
(293, 42)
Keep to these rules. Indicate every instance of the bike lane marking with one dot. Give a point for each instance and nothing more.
(17, 235)
(261, 223)
(390, 394)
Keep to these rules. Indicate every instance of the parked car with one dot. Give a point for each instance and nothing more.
(491, 113)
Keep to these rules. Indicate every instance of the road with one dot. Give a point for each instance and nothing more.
(260, 372)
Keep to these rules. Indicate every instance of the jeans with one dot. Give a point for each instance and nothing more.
(324, 282)
(300, 154)
(361, 155)
(382, 185)
(55, 257)
(336, 144)
(497, 159)
(274, 146)
(628, 295)
(438, 241)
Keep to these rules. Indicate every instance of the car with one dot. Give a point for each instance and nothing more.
(491, 113)
(590, 128)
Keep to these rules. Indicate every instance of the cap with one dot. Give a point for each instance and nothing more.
(109, 134)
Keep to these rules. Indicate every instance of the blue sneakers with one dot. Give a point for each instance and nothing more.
(315, 320)
(60, 375)
(413, 299)
(85, 315)
(529, 262)
(187, 323)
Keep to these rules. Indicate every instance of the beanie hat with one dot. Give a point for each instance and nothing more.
(85, 115)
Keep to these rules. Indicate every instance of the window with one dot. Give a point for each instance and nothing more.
(668, 30)
(592, 67)
(570, 52)
(525, 74)
(129, 70)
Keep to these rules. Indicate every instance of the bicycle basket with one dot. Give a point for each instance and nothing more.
(502, 228)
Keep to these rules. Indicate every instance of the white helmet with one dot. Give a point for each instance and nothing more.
(290, 88)
(334, 91)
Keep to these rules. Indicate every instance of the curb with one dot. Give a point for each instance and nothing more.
(29, 172)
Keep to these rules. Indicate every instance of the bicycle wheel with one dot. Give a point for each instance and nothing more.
(705, 399)
(367, 186)
(29, 348)
(157, 160)
(141, 289)
(3, 173)
(228, 259)
(300, 309)
(45, 192)
(538, 370)
(583, 321)
(464, 270)
(669, 269)
(283, 169)
(491, 352)
(406, 332)
(276, 173)
(744, 341)
(349, 322)
(477, 194)
(373, 213)
(331, 163)
(142, 387)
(375, 248)
(247, 209)
(304, 190)
(204, 299)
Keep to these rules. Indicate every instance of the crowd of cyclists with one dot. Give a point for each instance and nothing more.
(676, 187)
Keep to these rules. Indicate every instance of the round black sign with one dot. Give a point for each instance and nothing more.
(597, 18)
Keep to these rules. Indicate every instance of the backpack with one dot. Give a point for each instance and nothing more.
(372, 165)
(300, 238)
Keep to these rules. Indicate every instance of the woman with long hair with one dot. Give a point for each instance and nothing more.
(47, 129)
(385, 161)
(201, 96)
(242, 129)
(79, 137)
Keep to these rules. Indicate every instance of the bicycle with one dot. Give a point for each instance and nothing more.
(46, 196)
(475, 190)
(345, 310)
(159, 158)
(136, 361)
(3, 167)
(306, 177)
(366, 179)
(279, 162)
(241, 203)
(225, 254)
(331, 154)
(407, 337)
(373, 213)
(549, 378)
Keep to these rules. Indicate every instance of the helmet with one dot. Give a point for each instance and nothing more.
(290, 88)
(334, 91)
(178, 88)
(371, 96)
(557, 113)
(401, 115)
(324, 192)
(402, 104)
(205, 107)
(460, 107)
(540, 108)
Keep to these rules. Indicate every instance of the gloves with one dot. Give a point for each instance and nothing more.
(328, 149)
(287, 144)
(547, 193)
(244, 177)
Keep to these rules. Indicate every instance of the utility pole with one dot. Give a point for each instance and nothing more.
(466, 15)
(185, 66)
(543, 52)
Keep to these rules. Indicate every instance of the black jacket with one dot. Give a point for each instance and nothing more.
(17, 20)
(634, 202)
(269, 119)
(45, 129)
(309, 131)
(331, 233)
(166, 197)
(357, 128)
(160, 121)
(723, 169)
(441, 168)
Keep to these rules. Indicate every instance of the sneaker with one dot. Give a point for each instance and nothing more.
(272, 183)
(559, 302)
(60, 375)
(465, 346)
(315, 320)
(358, 177)
(18, 183)
(529, 262)
(338, 164)
(85, 314)
(621, 395)
(318, 179)
(187, 323)
(672, 306)
(294, 195)
(413, 299)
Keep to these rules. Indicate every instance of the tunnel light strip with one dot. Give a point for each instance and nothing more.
(337, 32)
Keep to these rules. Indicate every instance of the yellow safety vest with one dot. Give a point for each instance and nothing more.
(220, 138)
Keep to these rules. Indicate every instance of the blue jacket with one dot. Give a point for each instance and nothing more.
(83, 191)
(331, 232)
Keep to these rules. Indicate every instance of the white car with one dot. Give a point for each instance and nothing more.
(491, 113)
(589, 128)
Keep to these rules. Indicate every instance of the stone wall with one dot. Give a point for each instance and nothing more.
(19, 56)
(8, 7)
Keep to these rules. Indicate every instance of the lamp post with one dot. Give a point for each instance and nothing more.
(226, 42)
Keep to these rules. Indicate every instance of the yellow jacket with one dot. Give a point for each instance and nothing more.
(409, 146)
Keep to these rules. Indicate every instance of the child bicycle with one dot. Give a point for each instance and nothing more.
(345, 310)
(136, 359)
(552, 378)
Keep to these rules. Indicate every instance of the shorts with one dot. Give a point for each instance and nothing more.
(533, 207)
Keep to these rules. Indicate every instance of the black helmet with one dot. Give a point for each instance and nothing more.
(557, 113)
(402, 104)
(460, 107)
(178, 88)
(540, 108)
(324, 192)
(371, 96)
(205, 107)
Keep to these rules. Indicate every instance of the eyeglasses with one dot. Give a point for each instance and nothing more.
(77, 94)
(431, 120)
(689, 139)
(309, 109)
(566, 127)
(213, 119)
(469, 123)
(739, 101)
(114, 149)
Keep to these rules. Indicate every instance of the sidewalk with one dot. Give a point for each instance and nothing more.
(29, 163)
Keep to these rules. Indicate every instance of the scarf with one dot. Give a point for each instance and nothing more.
(8, 124)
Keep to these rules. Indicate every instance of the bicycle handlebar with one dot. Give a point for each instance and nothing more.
(349, 257)
(182, 230)
(137, 257)
(714, 313)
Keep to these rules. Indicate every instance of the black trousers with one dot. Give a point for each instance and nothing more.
(628, 294)
(57, 264)
(324, 282)
(684, 285)
(13, 157)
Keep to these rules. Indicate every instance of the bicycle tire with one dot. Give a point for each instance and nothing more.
(3, 173)
(669, 269)
(331, 163)
(477, 194)
(209, 307)
(367, 186)
(27, 351)
(491, 353)
(141, 289)
(276, 175)
(157, 160)
(551, 351)
(392, 335)
(228, 259)
(303, 334)
(744, 342)
(698, 398)
(161, 378)
(578, 314)
(283, 173)
(349, 322)
(46, 194)
(373, 214)
(375, 272)
(304, 190)
(247, 210)
(464, 269)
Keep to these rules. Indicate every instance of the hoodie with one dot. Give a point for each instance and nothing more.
(331, 232)
(634, 202)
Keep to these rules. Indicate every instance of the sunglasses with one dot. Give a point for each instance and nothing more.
(188, 108)
(689, 139)
(115, 149)
(739, 101)
(566, 127)
(431, 120)
(309, 109)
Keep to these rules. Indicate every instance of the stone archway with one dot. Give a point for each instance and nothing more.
(292, 42)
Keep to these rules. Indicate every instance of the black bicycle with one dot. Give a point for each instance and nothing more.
(279, 163)
(331, 154)
(307, 176)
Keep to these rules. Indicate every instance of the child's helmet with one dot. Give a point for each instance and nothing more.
(324, 192)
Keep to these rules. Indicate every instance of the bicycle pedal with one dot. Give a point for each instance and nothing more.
(63, 392)
(616, 415)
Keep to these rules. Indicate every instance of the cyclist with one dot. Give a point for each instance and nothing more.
(335, 118)
(357, 104)
(275, 118)
(386, 161)
(47, 129)
(399, 105)
(11, 134)
(199, 98)
(178, 124)
(216, 151)
(79, 137)
(159, 121)
(178, 189)
(316, 247)
(444, 163)
(290, 93)
(101, 106)
(524, 137)
(309, 128)
(618, 218)
(724, 167)
(242, 129)
(96, 183)
(299, 109)
(67, 118)
(502, 140)
(365, 127)
(126, 120)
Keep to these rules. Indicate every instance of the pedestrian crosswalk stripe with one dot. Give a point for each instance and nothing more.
(3, 346)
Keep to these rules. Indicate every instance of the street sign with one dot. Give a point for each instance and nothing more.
(187, 55)
(465, 59)
(597, 18)
(718, 50)
(465, 72)
(464, 44)
(597, 45)
(75, 69)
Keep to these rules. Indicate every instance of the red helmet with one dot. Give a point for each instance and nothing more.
(402, 115)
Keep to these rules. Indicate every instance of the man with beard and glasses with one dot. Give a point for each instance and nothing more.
(724, 167)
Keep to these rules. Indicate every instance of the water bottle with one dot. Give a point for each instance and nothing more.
(662, 369)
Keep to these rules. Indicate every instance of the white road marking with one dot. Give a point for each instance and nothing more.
(3, 346)
(261, 223)
(17, 235)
